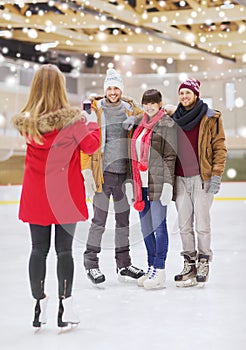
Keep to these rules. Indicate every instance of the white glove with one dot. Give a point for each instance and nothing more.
(129, 193)
(89, 118)
(166, 194)
(90, 185)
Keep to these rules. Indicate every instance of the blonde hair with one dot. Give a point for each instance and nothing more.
(47, 94)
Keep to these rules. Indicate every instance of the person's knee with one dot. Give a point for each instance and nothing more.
(63, 253)
(40, 251)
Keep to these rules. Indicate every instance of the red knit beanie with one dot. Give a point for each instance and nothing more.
(191, 84)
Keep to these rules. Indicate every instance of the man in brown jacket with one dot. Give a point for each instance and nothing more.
(199, 167)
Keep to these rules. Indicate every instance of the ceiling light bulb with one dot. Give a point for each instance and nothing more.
(239, 102)
(161, 70)
(5, 50)
(169, 60)
(32, 33)
(97, 55)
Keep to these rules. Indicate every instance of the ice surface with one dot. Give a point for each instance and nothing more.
(122, 315)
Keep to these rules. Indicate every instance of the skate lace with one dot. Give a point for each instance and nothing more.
(202, 268)
(149, 271)
(95, 273)
(153, 275)
(186, 268)
(133, 269)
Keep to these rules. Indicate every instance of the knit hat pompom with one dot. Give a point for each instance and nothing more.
(113, 79)
(139, 205)
(191, 84)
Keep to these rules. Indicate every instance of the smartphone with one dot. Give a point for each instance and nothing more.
(86, 105)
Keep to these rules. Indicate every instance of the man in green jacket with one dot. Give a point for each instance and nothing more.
(199, 167)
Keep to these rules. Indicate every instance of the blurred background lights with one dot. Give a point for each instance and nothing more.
(239, 102)
(110, 65)
(2, 121)
(183, 77)
(161, 70)
(32, 33)
(169, 60)
(182, 56)
(242, 132)
(97, 55)
(220, 60)
(117, 58)
(75, 62)
(194, 68)
(74, 73)
(10, 81)
(231, 173)
(153, 65)
(244, 58)
(5, 50)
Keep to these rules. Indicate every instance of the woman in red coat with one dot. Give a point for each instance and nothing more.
(53, 187)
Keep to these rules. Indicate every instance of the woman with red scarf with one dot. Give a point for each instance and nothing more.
(153, 149)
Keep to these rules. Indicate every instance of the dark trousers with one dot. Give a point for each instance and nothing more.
(113, 185)
(41, 239)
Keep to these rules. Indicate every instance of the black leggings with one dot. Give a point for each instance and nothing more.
(41, 238)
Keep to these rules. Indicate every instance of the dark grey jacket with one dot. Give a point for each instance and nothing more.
(162, 156)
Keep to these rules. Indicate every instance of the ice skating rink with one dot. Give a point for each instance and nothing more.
(122, 316)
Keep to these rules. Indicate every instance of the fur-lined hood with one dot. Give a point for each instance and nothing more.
(51, 121)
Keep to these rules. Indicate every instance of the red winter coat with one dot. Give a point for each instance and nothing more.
(53, 187)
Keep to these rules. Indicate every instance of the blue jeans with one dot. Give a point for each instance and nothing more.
(154, 230)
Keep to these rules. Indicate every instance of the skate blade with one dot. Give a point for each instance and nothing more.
(189, 283)
(155, 288)
(126, 279)
(70, 327)
(37, 328)
(201, 284)
(101, 285)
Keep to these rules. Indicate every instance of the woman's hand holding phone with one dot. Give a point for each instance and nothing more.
(88, 112)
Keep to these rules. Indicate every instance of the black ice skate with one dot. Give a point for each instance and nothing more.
(187, 277)
(96, 276)
(40, 313)
(129, 272)
(202, 269)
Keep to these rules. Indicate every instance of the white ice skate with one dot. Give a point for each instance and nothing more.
(156, 280)
(145, 276)
(66, 314)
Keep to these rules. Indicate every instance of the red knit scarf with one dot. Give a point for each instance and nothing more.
(141, 164)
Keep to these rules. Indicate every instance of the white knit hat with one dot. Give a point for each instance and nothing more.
(113, 79)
